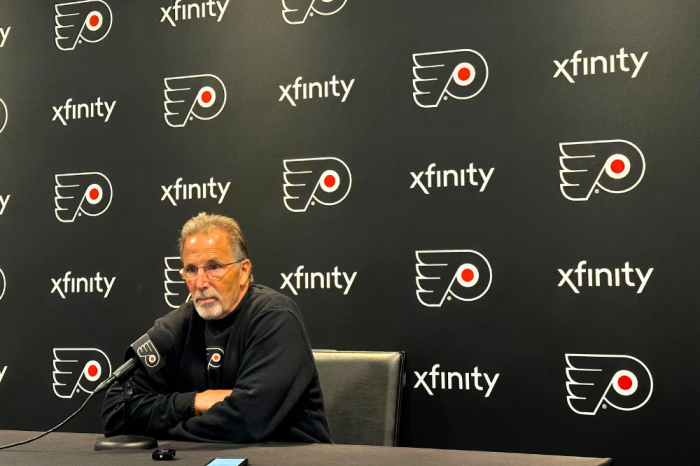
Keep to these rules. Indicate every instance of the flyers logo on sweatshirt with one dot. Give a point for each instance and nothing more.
(326, 180)
(460, 74)
(88, 193)
(602, 380)
(78, 369)
(615, 166)
(3, 115)
(200, 96)
(176, 292)
(215, 355)
(296, 11)
(443, 274)
(83, 21)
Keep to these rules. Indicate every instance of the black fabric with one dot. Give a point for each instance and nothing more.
(267, 361)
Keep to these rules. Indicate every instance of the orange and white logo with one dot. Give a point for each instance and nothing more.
(443, 274)
(200, 96)
(86, 20)
(215, 355)
(615, 166)
(176, 292)
(296, 11)
(460, 74)
(326, 180)
(88, 193)
(602, 380)
(76, 369)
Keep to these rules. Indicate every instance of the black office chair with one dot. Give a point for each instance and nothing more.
(362, 395)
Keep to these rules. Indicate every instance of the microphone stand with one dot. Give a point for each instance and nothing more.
(126, 441)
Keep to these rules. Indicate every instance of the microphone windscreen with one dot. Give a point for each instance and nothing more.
(146, 349)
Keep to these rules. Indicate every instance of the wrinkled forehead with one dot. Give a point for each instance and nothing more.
(207, 245)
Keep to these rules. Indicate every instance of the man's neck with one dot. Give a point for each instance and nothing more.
(244, 290)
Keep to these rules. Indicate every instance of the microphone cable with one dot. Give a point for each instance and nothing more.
(118, 374)
(51, 430)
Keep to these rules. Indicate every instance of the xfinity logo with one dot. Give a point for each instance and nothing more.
(310, 280)
(450, 178)
(615, 166)
(443, 274)
(2, 373)
(326, 180)
(178, 191)
(176, 292)
(82, 284)
(456, 380)
(200, 96)
(3, 34)
(84, 20)
(3, 203)
(180, 12)
(602, 380)
(296, 11)
(76, 369)
(307, 90)
(604, 277)
(88, 193)
(68, 111)
(3, 115)
(603, 64)
(460, 74)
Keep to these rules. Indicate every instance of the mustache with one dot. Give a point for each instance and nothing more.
(204, 295)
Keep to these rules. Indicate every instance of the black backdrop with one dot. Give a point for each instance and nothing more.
(521, 224)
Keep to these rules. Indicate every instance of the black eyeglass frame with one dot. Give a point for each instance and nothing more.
(204, 267)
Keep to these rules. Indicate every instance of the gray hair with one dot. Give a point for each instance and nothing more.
(205, 222)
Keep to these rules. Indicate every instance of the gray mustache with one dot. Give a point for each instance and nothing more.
(199, 295)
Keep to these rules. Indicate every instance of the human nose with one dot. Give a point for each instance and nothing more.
(202, 279)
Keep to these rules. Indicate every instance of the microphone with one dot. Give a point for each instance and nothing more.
(144, 352)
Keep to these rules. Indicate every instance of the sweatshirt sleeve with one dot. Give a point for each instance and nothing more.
(276, 369)
(153, 409)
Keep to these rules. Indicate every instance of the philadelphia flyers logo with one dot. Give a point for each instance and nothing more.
(176, 292)
(441, 275)
(88, 193)
(77, 370)
(323, 180)
(615, 166)
(601, 380)
(297, 11)
(148, 353)
(86, 20)
(200, 96)
(215, 355)
(437, 76)
(3, 115)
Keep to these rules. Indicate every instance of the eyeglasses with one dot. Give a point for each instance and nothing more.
(212, 271)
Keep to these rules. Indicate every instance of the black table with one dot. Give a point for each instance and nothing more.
(63, 449)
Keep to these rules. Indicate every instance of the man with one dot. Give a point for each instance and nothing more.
(240, 368)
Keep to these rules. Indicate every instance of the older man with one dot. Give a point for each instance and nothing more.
(240, 368)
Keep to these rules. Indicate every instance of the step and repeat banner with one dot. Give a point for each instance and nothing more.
(507, 191)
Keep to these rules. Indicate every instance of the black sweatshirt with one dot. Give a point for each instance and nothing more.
(260, 350)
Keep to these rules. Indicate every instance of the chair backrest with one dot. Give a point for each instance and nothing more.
(362, 395)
